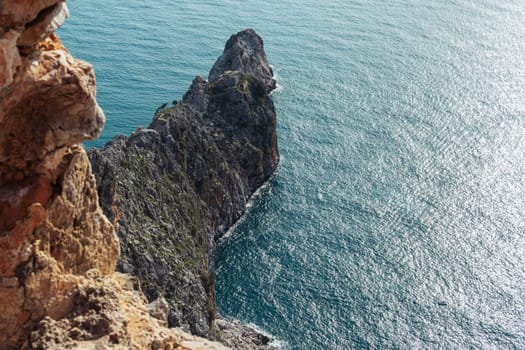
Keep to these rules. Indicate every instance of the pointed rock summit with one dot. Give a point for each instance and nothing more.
(244, 53)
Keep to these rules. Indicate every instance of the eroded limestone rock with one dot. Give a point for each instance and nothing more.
(50, 249)
(47, 105)
(28, 21)
(109, 313)
(58, 251)
(51, 228)
(47, 21)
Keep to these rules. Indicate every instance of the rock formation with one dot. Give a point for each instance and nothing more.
(174, 188)
(58, 250)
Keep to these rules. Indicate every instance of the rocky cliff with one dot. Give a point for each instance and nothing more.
(173, 188)
(58, 250)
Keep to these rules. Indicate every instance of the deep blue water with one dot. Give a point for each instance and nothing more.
(397, 217)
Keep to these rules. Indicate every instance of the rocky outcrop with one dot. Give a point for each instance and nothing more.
(245, 53)
(47, 103)
(52, 230)
(174, 188)
(58, 250)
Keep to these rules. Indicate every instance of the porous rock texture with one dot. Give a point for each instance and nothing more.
(110, 313)
(175, 187)
(58, 251)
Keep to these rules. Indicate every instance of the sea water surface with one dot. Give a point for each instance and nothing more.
(397, 217)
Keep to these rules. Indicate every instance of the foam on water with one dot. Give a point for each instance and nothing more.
(261, 191)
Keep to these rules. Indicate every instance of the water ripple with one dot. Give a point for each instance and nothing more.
(396, 218)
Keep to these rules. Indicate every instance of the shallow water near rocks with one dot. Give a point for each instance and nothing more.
(397, 216)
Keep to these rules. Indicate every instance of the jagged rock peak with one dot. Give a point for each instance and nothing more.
(188, 178)
(244, 53)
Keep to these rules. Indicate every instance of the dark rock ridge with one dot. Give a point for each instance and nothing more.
(174, 188)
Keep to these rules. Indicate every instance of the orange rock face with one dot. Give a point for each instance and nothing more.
(16, 197)
(52, 230)
(49, 106)
(58, 251)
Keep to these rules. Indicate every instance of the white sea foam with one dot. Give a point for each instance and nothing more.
(249, 205)
(278, 87)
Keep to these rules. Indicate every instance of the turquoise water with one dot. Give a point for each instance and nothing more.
(397, 217)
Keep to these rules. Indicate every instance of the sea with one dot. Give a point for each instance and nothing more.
(396, 219)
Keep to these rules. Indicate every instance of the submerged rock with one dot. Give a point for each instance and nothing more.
(174, 188)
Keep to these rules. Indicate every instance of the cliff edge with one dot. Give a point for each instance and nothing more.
(58, 288)
(173, 188)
